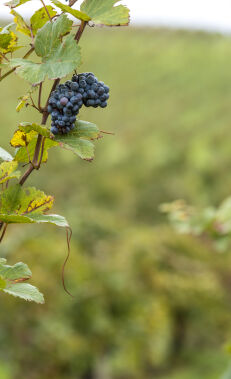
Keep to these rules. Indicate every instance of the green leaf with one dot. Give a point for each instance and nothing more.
(7, 171)
(21, 24)
(87, 130)
(16, 3)
(25, 291)
(8, 40)
(5, 156)
(59, 58)
(65, 8)
(50, 219)
(27, 127)
(22, 153)
(18, 271)
(10, 199)
(12, 278)
(49, 37)
(35, 218)
(40, 17)
(78, 140)
(24, 201)
(104, 12)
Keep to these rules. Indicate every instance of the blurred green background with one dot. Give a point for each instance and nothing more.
(148, 303)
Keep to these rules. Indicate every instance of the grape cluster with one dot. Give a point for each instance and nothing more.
(66, 101)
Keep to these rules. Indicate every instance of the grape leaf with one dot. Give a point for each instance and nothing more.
(23, 201)
(18, 271)
(27, 127)
(25, 291)
(73, 12)
(78, 140)
(21, 138)
(87, 130)
(7, 171)
(12, 278)
(5, 156)
(22, 153)
(34, 219)
(104, 12)
(21, 24)
(27, 205)
(40, 17)
(49, 37)
(15, 3)
(83, 148)
(59, 58)
(8, 40)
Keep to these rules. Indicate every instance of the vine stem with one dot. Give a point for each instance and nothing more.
(48, 14)
(80, 31)
(3, 232)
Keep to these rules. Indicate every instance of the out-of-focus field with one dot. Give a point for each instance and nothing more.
(148, 303)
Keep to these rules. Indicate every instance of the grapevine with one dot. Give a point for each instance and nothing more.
(54, 41)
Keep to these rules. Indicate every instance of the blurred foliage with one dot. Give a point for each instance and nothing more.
(148, 303)
(211, 224)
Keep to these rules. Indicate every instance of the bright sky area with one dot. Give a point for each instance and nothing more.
(198, 14)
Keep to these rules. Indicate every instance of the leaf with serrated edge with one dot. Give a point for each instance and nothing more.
(22, 153)
(104, 12)
(29, 126)
(21, 24)
(7, 171)
(79, 140)
(15, 3)
(5, 156)
(25, 291)
(65, 8)
(83, 148)
(18, 271)
(49, 36)
(86, 130)
(64, 59)
(40, 17)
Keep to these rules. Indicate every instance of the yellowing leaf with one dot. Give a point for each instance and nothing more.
(24, 201)
(23, 101)
(36, 202)
(7, 171)
(40, 17)
(22, 153)
(21, 24)
(21, 138)
(8, 40)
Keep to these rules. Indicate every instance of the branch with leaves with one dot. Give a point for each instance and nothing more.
(55, 42)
